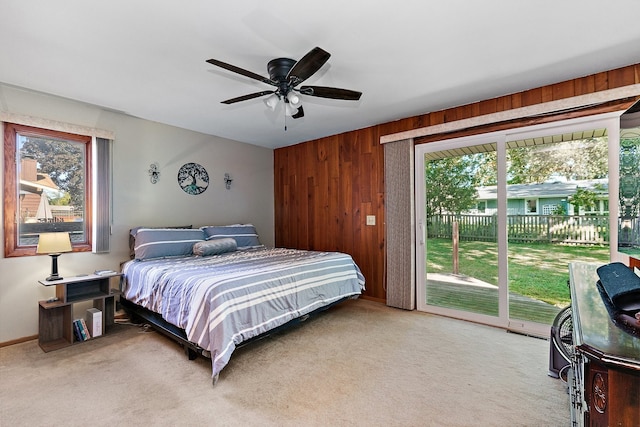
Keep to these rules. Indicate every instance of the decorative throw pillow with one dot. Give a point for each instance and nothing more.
(245, 235)
(215, 247)
(134, 231)
(166, 242)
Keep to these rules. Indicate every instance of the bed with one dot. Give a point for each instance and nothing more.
(213, 288)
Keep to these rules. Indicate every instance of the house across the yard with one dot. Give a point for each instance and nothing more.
(547, 198)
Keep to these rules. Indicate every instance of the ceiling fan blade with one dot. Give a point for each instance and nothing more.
(247, 97)
(299, 114)
(241, 71)
(331, 92)
(307, 66)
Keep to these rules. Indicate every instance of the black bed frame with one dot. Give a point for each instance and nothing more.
(140, 314)
(192, 349)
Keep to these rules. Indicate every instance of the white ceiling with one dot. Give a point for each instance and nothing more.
(146, 58)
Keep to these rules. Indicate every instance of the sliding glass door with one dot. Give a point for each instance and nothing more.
(500, 216)
(459, 230)
(557, 212)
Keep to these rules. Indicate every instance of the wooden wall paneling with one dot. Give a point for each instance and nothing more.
(437, 118)
(485, 107)
(547, 93)
(362, 199)
(288, 205)
(353, 223)
(325, 188)
(333, 215)
(281, 194)
(375, 234)
(624, 76)
(306, 162)
(286, 200)
(313, 212)
(601, 81)
(503, 103)
(584, 85)
(516, 101)
(293, 207)
(345, 189)
(531, 97)
(453, 114)
(320, 210)
(563, 90)
(278, 192)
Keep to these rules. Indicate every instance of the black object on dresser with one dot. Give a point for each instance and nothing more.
(604, 380)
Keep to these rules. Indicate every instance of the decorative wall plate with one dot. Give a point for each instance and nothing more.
(193, 178)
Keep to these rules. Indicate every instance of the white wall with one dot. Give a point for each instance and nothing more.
(136, 201)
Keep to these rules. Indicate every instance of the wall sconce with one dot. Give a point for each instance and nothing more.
(154, 172)
(227, 181)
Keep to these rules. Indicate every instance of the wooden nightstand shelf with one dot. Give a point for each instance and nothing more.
(56, 317)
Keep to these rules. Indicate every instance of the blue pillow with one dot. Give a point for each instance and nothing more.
(134, 231)
(215, 247)
(165, 242)
(245, 235)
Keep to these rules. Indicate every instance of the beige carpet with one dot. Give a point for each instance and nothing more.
(359, 364)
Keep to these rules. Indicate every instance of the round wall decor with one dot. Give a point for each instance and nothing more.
(193, 178)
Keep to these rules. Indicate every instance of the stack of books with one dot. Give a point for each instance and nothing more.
(80, 329)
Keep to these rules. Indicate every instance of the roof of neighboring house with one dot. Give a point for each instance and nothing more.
(545, 189)
(44, 181)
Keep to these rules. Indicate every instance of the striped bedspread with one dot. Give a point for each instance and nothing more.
(223, 300)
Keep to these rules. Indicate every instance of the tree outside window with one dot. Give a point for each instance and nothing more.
(47, 188)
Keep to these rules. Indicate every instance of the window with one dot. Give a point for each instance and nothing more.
(554, 209)
(532, 206)
(47, 187)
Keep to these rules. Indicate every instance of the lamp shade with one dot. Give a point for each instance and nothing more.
(272, 101)
(53, 243)
(290, 110)
(293, 98)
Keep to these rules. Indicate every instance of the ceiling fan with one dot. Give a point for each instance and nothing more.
(286, 74)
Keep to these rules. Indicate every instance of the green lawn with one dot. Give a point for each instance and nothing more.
(538, 271)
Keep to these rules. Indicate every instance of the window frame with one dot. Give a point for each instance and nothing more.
(11, 179)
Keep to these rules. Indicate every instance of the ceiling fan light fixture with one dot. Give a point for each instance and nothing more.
(289, 109)
(272, 101)
(293, 98)
(285, 74)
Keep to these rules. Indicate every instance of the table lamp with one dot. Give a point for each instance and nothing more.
(54, 244)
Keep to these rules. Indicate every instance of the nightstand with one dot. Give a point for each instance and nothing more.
(55, 329)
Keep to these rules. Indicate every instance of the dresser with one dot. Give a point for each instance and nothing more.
(604, 380)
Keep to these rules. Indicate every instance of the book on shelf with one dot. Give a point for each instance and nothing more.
(85, 329)
(81, 330)
(76, 330)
